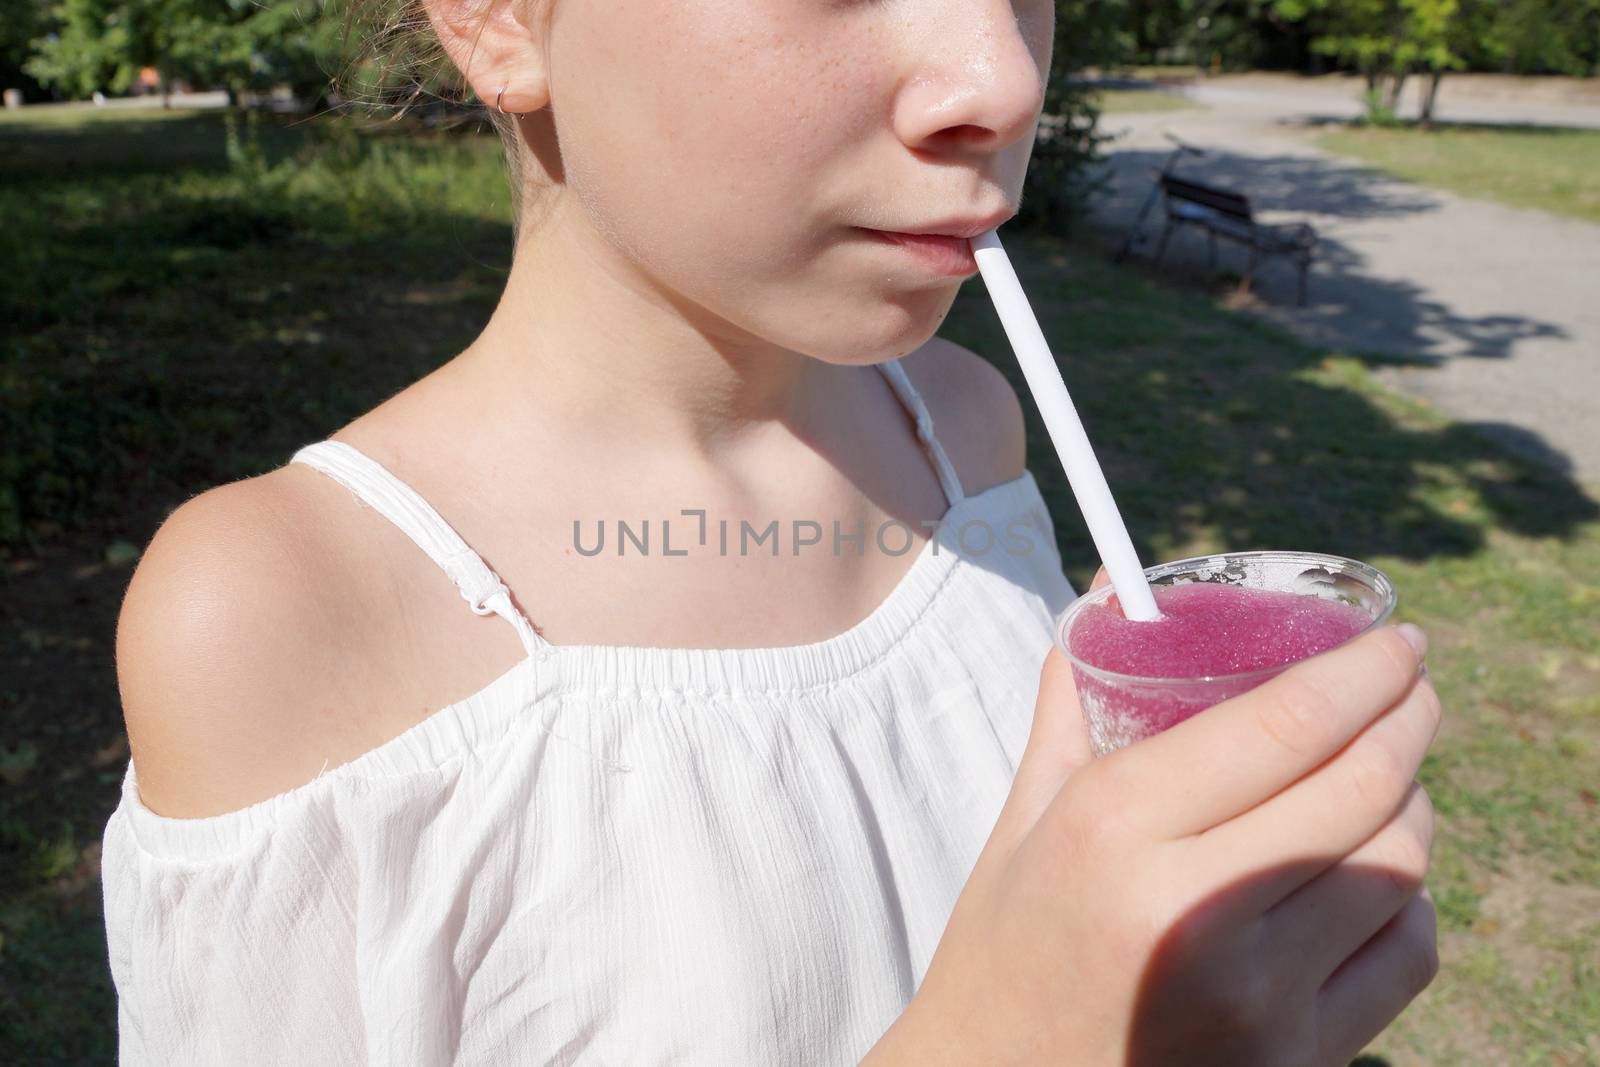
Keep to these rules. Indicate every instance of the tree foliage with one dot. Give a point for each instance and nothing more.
(1383, 39)
(1539, 36)
(1388, 41)
(237, 45)
(1229, 34)
(1515, 36)
(20, 22)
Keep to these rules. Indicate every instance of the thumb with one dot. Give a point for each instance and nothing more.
(1058, 745)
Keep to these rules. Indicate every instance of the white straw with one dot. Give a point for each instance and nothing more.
(1106, 527)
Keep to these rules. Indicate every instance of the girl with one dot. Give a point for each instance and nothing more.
(707, 802)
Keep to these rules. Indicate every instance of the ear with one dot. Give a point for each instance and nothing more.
(499, 46)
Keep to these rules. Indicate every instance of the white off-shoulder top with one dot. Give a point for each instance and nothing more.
(609, 855)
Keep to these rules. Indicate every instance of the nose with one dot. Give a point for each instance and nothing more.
(975, 73)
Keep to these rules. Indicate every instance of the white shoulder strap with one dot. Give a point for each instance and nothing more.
(896, 374)
(396, 501)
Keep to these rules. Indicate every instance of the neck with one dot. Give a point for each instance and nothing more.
(593, 346)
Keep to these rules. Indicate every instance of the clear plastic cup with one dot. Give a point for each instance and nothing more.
(1123, 708)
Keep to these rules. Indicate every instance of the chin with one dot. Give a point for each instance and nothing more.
(871, 325)
(867, 347)
(905, 321)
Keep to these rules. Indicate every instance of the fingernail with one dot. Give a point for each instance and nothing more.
(1415, 637)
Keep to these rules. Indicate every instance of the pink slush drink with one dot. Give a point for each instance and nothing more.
(1228, 623)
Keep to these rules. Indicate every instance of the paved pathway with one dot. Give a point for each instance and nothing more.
(1496, 310)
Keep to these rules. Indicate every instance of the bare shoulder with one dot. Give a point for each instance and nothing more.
(976, 413)
(224, 647)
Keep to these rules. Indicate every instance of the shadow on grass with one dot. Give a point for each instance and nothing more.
(133, 144)
(188, 326)
(69, 145)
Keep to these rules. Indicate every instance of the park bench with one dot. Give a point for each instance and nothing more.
(1226, 214)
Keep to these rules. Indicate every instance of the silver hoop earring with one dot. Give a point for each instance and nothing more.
(503, 111)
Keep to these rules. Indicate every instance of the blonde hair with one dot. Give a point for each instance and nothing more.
(393, 63)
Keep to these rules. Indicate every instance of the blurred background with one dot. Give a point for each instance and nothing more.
(229, 226)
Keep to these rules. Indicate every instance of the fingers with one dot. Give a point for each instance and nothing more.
(1058, 744)
(1232, 757)
(1376, 983)
(1327, 920)
(1315, 822)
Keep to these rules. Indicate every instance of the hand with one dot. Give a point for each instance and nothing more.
(1242, 889)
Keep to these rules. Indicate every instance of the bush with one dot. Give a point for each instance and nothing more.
(1379, 111)
(1059, 181)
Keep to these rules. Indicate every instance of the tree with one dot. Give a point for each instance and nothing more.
(20, 22)
(1387, 41)
(98, 45)
(237, 45)
(1236, 34)
(1438, 34)
(1372, 36)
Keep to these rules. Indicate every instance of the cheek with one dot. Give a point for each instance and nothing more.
(695, 127)
(724, 147)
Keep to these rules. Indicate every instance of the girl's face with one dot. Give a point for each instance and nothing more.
(733, 150)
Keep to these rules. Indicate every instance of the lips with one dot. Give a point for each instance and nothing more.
(943, 247)
(951, 256)
(967, 227)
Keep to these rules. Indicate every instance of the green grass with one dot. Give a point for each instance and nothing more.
(1554, 170)
(135, 248)
(183, 314)
(1135, 101)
